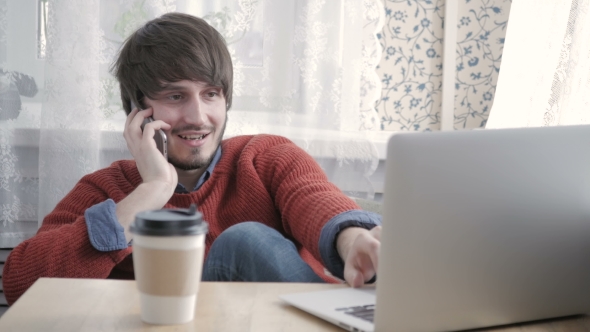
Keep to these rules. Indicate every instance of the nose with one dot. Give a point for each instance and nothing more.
(194, 111)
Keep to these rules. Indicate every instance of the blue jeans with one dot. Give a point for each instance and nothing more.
(251, 251)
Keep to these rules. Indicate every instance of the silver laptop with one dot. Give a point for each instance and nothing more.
(480, 228)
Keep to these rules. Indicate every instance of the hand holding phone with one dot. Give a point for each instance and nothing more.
(160, 136)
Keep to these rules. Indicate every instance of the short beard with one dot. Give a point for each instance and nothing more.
(197, 163)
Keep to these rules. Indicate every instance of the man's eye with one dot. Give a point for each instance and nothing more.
(212, 94)
(175, 97)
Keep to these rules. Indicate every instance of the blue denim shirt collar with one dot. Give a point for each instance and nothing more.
(180, 189)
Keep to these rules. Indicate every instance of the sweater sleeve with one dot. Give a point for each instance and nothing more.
(61, 248)
(302, 193)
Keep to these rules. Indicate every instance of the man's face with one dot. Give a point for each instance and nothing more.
(196, 112)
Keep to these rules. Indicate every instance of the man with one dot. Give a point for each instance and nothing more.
(273, 215)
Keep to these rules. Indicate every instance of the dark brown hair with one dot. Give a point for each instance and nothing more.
(171, 48)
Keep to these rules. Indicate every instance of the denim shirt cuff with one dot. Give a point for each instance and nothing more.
(331, 230)
(104, 230)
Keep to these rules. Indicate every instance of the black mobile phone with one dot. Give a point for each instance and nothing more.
(160, 136)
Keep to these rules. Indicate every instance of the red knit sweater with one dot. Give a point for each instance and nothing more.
(258, 178)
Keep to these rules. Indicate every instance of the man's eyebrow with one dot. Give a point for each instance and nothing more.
(177, 87)
(171, 86)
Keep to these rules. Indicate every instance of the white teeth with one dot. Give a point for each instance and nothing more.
(192, 137)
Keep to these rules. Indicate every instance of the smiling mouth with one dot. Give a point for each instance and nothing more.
(193, 137)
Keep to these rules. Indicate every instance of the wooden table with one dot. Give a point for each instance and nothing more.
(113, 305)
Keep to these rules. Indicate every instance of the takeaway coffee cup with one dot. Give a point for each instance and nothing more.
(168, 250)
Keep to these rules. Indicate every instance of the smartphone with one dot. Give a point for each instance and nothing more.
(160, 136)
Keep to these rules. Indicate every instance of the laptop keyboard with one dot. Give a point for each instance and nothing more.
(364, 312)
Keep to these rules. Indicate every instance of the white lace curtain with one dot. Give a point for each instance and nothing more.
(303, 69)
(545, 75)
